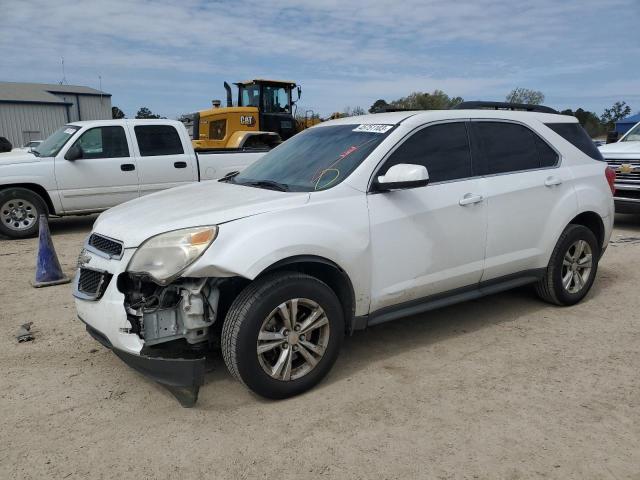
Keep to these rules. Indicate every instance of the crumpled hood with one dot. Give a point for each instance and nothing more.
(206, 203)
(9, 158)
(612, 149)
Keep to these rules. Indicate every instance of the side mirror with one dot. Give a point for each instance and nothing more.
(403, 176)
(74, 153)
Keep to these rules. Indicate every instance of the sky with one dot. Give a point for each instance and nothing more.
(173, 56)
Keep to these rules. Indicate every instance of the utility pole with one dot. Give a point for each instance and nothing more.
(64, 77)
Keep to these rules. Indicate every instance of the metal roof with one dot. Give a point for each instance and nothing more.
(266, 80)
(42, 92)
(632, 119)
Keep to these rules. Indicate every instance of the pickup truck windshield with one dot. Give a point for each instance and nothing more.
(315, 159)
(52, 145)
(633, 135)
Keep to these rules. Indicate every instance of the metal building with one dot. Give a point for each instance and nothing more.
(32, 111)
(624, 125)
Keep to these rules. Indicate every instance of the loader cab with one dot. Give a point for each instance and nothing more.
(274, 100)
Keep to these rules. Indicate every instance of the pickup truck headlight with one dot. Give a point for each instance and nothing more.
(165, 256)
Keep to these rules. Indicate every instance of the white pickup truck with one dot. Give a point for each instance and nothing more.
(87, 167)
(624, 157)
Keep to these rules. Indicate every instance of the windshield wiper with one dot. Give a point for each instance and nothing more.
(267, 184)
(229, 176)
(35, 152)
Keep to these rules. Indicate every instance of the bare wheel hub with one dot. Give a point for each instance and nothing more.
(293, 339)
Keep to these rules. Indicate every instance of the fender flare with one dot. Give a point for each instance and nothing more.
(347, 286)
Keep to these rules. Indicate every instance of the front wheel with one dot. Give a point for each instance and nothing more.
(282, 334)
(572, 268)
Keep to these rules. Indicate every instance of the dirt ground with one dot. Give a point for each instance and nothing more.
(502, 387)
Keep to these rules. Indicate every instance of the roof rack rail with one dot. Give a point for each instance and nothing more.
(395, 109)
(477, 105)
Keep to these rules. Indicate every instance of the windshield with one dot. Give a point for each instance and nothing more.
(315, 159)
(633, 135)
(52, 145)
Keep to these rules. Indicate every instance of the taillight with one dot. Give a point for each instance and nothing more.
(610, 173)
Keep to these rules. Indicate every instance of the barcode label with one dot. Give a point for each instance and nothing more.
(373, 128)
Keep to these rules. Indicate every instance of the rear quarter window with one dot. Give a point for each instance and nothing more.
(576, 136)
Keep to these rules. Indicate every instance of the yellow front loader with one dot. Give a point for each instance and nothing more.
(263, 117)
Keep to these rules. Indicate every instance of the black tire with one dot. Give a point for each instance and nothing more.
(5, 145)
(550, 288)
(37, 206)
(245, 319)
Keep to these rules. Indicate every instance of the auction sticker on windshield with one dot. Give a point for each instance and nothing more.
(373, 128)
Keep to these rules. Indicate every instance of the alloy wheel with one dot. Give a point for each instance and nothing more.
(293, 339)
(576, 266)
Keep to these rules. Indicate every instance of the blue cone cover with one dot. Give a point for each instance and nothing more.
(47, 266)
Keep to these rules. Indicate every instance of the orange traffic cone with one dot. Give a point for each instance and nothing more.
(48, 270)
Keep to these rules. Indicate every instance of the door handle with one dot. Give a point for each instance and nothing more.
(180, 164)
(551, 181)
(470, 198)
(127, 167)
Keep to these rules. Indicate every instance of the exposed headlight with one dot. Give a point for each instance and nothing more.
(165, 256)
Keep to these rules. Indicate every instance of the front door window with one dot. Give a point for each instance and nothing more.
(276, 99)
(250, 96)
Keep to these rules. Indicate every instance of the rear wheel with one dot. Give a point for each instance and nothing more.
(20, 210)
(282, 334)
(572, 268)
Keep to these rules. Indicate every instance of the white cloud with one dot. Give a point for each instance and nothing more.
(173, 56)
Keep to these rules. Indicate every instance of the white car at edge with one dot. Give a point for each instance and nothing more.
(352, 223)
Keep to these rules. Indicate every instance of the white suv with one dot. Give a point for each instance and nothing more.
(350, 224)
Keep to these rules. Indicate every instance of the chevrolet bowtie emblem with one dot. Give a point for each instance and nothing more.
(626, 168)
(83, 258)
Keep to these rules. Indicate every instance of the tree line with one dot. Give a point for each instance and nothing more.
(438, 100)
(143, 112)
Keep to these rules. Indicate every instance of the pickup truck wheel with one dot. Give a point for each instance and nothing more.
(572, 268)
(282, 334)
(20, 210)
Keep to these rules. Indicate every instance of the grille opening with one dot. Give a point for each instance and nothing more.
(632, 176)
(633, 194)
(89, 281)
(106, 245)
(92, 282)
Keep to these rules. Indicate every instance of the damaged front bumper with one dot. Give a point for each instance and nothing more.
(103, 308)
(183, 377)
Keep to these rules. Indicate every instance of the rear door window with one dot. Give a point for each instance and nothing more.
(578, 137)
(154, 140)
(502, 147)
(443, 149)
